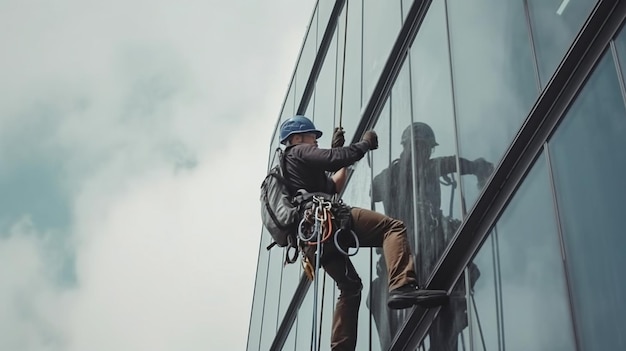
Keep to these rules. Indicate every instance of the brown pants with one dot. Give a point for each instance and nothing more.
(373, 230)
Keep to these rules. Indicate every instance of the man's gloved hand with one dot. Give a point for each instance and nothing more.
(338, 138)
(482, 170)
(371, 137)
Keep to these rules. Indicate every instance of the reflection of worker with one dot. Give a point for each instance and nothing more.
(305, 168)
(423, 217)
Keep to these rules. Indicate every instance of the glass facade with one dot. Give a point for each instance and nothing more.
(448, 107)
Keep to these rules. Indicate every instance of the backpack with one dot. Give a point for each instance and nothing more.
(279, 210)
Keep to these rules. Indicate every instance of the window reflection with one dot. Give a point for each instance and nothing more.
(449, 329)
(587, 156)
(386, 322)
(416, 180)
(494, 79)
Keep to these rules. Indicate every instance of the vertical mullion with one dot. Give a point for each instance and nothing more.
(267, 271)
(532, 44)
(618, 68)
(500, 295)
(454, 111)
(559, 229)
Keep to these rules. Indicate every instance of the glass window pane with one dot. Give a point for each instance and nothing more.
(494, 83)
(449, 329)
(307, 57)
(385, 322)
(555, 25)
(587, 156)
(421, 149)
(349, 90)
(381, 24)
(322, 108)
(325, 8)
(357, 195)
(521, 296)
(304, 323)
(272, 299)
(256, 319)
(430, 145)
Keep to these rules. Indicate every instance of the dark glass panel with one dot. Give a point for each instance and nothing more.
(385, 322)
(357, 195)
(348, 88)
(555, 24)
(520, 293)
(307, 57)
(587, 156)
(258, 301)
(321, 109)
(382, 21)
(449, 330)
(494, 80)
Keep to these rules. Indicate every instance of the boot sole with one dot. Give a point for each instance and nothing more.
(426, 302)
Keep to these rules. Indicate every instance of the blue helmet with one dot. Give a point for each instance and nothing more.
(297, 125)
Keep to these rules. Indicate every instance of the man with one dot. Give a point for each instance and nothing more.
(416, 169)
(305, 167)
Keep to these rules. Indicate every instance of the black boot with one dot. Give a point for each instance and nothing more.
(409, 295)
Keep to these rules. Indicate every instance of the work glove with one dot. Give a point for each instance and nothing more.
(338, 138)
(482, 170)
(371, 138)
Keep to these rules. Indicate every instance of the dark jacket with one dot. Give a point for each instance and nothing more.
(394, 185)
(306, 165)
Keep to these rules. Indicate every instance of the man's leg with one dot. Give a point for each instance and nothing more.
(377, 230)
(346, 315)
(374, 230)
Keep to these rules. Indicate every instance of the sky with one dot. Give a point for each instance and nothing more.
(134, 136)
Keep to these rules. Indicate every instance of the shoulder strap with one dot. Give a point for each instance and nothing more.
(282, 168)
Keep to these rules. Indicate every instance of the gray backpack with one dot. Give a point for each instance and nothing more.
(279, 208)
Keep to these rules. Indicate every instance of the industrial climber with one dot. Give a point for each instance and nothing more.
(305, 168)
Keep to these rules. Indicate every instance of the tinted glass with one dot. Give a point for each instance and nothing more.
(385, 322)
(325, 7)
(271, 301)
(520, 294)
(381, 24)
(430, 144)
(357, 195)
(494, 80)
(321, 109)
(555, 24)
(587, 156)
(449, 330)
(307, 57)
(304, 323)
(348, 89)
(408, 174)
(260, 283)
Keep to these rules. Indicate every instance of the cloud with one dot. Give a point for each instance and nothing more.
(146, 124)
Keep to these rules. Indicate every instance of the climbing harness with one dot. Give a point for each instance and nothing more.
(317, 221)
(317, 228)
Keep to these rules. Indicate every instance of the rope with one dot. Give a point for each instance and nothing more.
(343, 66)
(319, 333)
(318, 255)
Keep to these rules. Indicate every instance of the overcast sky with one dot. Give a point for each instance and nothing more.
(133, 139)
